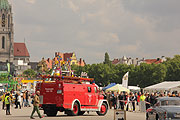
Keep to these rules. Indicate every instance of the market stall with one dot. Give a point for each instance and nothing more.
(118, 88)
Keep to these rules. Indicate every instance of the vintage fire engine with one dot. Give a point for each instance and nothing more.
(72, 95)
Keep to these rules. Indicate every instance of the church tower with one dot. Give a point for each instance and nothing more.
(6, 32)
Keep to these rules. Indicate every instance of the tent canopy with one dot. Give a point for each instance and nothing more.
(164, 85)
(109, 86)
(134, 88)
(118, 88)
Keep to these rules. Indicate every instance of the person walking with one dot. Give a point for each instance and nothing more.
(18, 101)
(36, 105)
(136, 95)
(138, 100)
(27, 99)
(11, 97)
(147, 101)
(115, 100)
(111, 99)
(133, 100)
(121, 101)
(153, 99)
(142, 103)
(126, 99)
(3, 100)
(24, 99)
(7, 103)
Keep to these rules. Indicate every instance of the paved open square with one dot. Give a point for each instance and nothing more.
(24, 114)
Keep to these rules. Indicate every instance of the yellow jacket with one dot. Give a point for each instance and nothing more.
(3, 97)
(142, 98)
(7, 100)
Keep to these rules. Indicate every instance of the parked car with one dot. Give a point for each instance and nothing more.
(166, 108)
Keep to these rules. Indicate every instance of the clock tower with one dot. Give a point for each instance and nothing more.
(6, 32)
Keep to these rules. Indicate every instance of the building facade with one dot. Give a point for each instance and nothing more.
(10, 52)
(65, 57)
(21, 58)
(6, 32)
(137, 61)
(128, 61)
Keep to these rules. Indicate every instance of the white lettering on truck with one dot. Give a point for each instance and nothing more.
(49, 89)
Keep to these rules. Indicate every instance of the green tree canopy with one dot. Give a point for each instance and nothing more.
(29, 73)
(142, 75)
(106, 59)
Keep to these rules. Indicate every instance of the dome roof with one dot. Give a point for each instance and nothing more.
(4, 4)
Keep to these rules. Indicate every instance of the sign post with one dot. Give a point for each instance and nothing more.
(119, 114)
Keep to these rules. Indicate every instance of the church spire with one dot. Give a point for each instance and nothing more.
(6, 32)
(4, 4)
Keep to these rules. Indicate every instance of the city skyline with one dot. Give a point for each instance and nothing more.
(143, 29)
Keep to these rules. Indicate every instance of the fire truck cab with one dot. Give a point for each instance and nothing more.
(71, 95)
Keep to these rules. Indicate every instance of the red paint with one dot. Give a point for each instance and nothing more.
(63, 93)
(103, 109)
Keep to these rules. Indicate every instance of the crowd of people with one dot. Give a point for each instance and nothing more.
(15, 98)
(124, 101)
(134, 101)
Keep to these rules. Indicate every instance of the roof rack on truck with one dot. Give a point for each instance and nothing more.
(67, 78)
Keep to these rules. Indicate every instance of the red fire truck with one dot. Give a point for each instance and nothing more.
(71, 95)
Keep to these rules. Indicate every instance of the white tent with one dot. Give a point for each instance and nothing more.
(135, 88)
(168, 86)
(118, 88)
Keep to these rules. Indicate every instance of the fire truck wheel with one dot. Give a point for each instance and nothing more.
(103, 110)
(81, 112)
(75, 110)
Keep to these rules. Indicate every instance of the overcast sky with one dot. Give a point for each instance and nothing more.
(134, 28)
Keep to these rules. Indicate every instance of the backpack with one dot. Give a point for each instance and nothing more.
(32, 102)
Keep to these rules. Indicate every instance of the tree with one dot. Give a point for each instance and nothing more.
(142, 75)
(77, 69)
(4, 77)
(29, 73)
(42, 66)
(173, 68)
(106, 59)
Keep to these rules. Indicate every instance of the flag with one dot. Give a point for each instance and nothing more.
(125, 80)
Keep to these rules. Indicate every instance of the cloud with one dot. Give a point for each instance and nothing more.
(109, 38)
(164, 12)
(31, 1)
(92, 27)
(74, 7)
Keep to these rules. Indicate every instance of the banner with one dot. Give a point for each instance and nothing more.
(125, 80)
(8, 65)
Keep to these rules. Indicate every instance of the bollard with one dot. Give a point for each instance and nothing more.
(119, 114)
